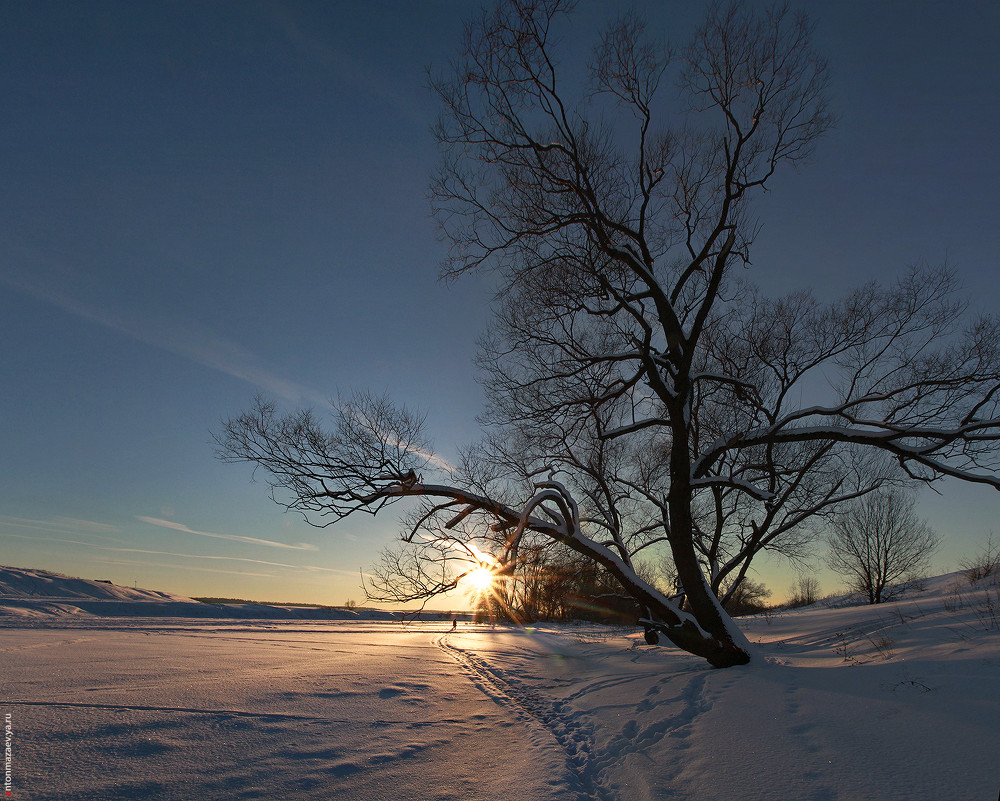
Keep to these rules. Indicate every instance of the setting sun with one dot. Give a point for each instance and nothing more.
(480, 579)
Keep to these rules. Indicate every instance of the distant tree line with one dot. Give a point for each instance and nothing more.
(556, 585)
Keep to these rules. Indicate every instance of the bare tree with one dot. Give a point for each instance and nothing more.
(749, 598)
(879, 543)
(772, 346)
(984, 564)
(805, 591)
(641, 399)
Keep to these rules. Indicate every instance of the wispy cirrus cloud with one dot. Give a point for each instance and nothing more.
(189, 340)
(318, 52)
(310, 568)
(243, 573)
(195, 556)
(62, 525)
(170, 524)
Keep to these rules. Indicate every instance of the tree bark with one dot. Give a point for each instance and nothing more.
(718, 647)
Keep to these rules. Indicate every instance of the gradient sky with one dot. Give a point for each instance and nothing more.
(205, 201)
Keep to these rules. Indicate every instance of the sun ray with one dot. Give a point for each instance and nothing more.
(480, 579)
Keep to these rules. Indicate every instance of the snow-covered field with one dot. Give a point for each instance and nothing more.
(900, 701)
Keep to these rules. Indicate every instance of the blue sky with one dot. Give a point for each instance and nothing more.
(205, 201)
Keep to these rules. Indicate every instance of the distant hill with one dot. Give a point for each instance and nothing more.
(30, 594)
(17, 582)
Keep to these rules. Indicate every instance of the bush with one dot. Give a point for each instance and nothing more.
(988, 611)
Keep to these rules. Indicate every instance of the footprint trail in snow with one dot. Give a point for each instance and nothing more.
(574, 736)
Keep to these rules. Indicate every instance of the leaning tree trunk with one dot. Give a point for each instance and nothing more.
(711, 638)
(715, 642)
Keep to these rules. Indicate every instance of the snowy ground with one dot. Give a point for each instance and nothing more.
(900, 701)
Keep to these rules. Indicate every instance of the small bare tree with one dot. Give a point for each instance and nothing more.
(641, 399)
(984, 564)
(805, 591)
(879, 543)
(749, 598)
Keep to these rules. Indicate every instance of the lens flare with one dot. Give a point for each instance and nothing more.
(480, 579)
